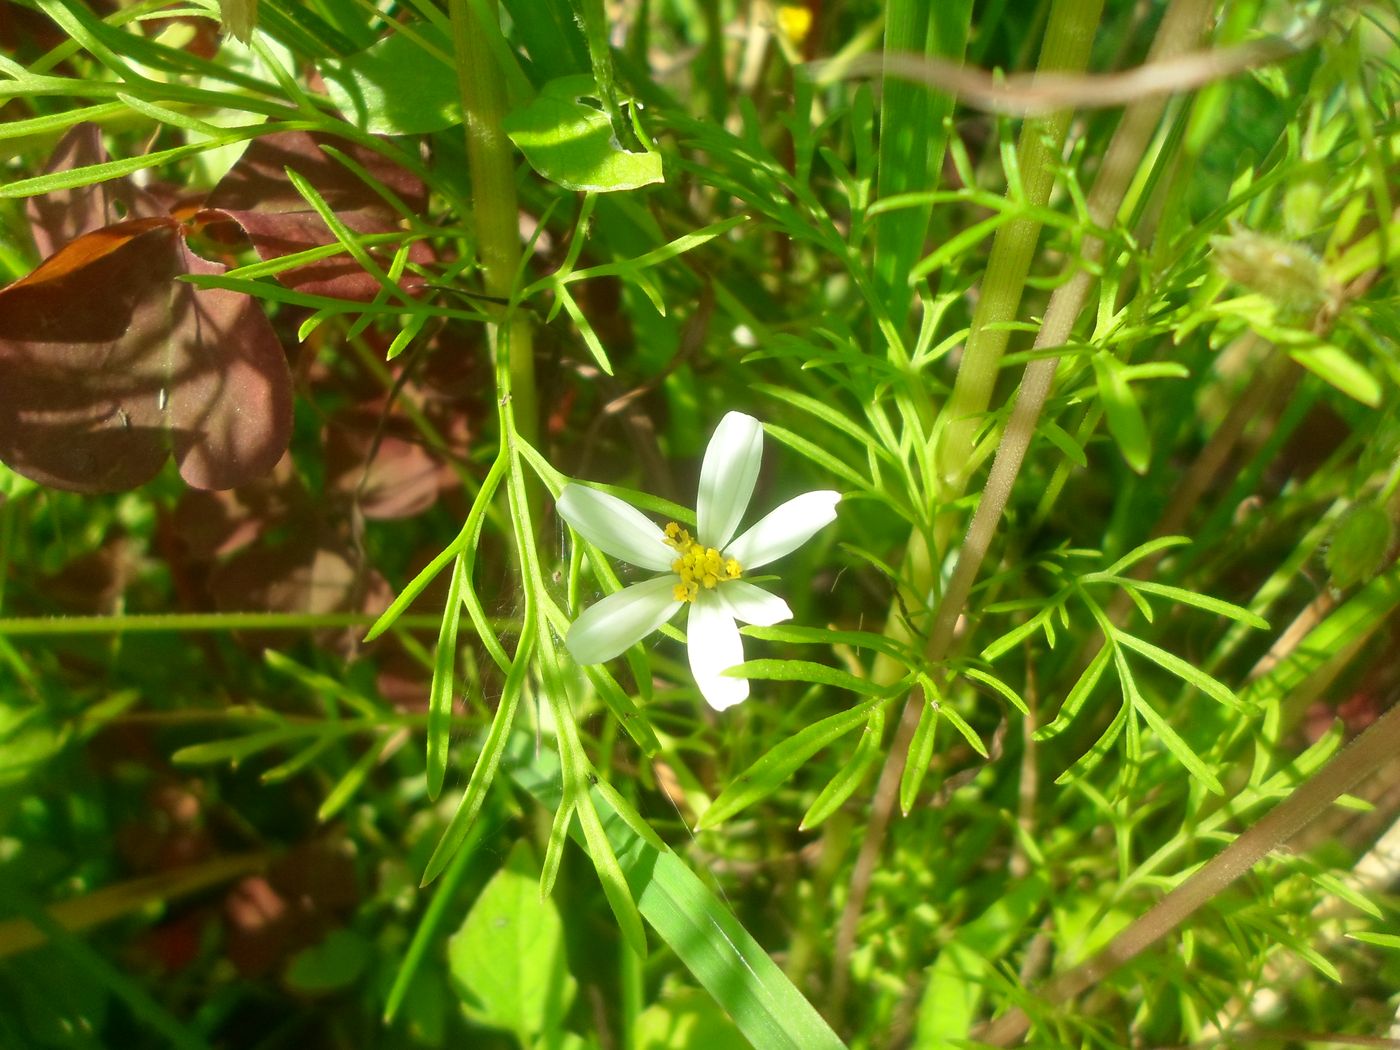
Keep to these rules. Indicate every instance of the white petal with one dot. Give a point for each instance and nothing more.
(785, 529)
(715, 646)
(621, 620)
(727, 478)
(616, 528)
(750, 604)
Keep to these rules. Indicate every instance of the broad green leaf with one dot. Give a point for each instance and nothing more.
(507, 960)
(399, 86)
(1359, 545)
(334, 963)
(571, 143)
(702, 932)
(958, 979)
(1340, 369)
(773, 769)
(686, 1019)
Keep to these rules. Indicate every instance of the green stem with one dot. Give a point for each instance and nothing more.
(42, 626)
(491, 161)
(1068, 40)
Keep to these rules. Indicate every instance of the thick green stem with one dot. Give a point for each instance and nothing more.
(491, 160)
(1068, 40)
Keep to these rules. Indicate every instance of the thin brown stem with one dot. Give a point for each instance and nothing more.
(1374, 748)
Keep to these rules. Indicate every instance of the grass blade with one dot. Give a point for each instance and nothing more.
(703, 933)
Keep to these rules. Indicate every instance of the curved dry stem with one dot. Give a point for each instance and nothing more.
(1031, 94)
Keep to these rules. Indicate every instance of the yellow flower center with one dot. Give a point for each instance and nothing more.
(697, 566)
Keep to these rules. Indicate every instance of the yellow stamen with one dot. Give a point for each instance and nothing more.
(697, 566)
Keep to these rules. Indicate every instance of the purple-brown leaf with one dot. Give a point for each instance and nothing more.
(64, 215)
(111, 364)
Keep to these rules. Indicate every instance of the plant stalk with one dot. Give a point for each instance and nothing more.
(491, 162)
(1068, 40)
(1181, 27)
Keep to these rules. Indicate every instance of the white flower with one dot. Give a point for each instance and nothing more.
(705, 571)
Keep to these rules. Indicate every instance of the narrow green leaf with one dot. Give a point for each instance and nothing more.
(796, 635)
(1342, 370)
(850, 776)
(1014, 637)
(239, 748)
(115, 169)
(354, 778)
(465, 538)
(1189, 673)
(303, 758)
(491, 750)
(1091, 758)
(585, 328)
(1061, 439)
(1161, 727)
(615, 888)
(554, 846)
(968, 733)
(818, 455)
(1078, 694)
(828, 414)
(628, 715)
(998, 686)
(770, 771)
(1381, 940)
(444, 683)
(920, 754)
(1125, 419)
(322, 684)
(1201, 601)
(806, 671)
(1144, 550)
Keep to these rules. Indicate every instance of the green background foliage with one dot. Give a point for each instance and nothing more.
(1105, 370)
